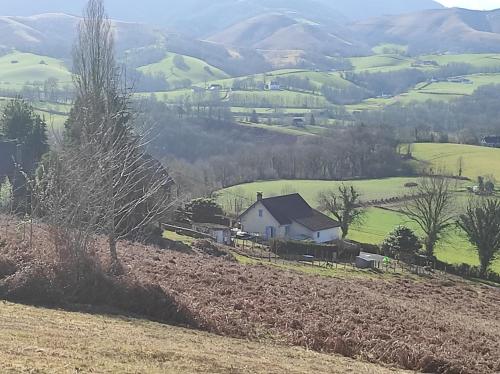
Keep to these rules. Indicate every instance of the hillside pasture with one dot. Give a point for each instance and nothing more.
(477, 160)
(18, 68)
(178, 68)
(380, 63)
(372, 189)
(478, 60)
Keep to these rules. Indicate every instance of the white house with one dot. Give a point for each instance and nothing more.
(289, 217)
(274, 86)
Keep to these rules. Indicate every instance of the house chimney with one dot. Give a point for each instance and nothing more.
(260, 195)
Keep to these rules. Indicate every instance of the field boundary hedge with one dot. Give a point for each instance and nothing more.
(322, 252)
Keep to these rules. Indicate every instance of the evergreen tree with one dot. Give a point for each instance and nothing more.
(402, 243)
(19, 122)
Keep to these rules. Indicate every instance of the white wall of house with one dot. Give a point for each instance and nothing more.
(328, 235)
(325, 236)
(253, 223)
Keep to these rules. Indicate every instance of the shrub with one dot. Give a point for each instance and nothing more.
(402, 242)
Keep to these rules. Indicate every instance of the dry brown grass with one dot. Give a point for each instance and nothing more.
(437, 325)
(39, 340)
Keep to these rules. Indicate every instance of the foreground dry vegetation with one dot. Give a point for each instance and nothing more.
(440, 325)
(50, 341)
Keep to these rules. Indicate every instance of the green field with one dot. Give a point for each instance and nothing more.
(309, 189)
(479, 60)
(197, 71)
(477, 161)
(378, 223)
(18, 68)
(380, 63)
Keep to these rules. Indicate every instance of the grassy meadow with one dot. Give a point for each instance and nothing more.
(371, 189)
(477, 161)
(197, 71)
(18, 68)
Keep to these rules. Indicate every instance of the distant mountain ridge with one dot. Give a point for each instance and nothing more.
(285, 37)
(200, 18)
(452, 30)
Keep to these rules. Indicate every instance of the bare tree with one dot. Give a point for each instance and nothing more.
(344, 205)
(432, 209)
(101, 180)
(481, 223)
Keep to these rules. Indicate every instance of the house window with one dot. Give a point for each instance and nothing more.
(261, 213)
(318, 235)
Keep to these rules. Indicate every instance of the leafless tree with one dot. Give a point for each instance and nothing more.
(481, 223)
(344, 205)
(432, 209)
(101, 180)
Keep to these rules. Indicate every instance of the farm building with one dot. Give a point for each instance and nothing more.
(491, 141)
(215, 87)
(274, 86)
(369, 260)
(221, 234)
(298, 122)
(289, 217)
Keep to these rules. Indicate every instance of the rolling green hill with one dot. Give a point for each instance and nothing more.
(178, 68)
(18, 68)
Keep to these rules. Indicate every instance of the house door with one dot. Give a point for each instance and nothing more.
(270, 232)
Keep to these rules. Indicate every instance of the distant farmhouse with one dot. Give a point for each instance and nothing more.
(215, 87)
(298, 122)
(289, 217)
(491, 141)
(274, 86)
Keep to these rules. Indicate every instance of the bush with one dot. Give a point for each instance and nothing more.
(401, 242)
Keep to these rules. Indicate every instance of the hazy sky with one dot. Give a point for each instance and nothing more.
(472, 4)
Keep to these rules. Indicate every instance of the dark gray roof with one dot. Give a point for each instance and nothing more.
(289, 208)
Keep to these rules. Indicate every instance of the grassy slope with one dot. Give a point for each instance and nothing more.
(196, 70)
(29, 68)
(309, 189)
(41, 340)
(477, 160)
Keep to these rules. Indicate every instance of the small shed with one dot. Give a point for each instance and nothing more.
(368, 260)
(221, 234)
